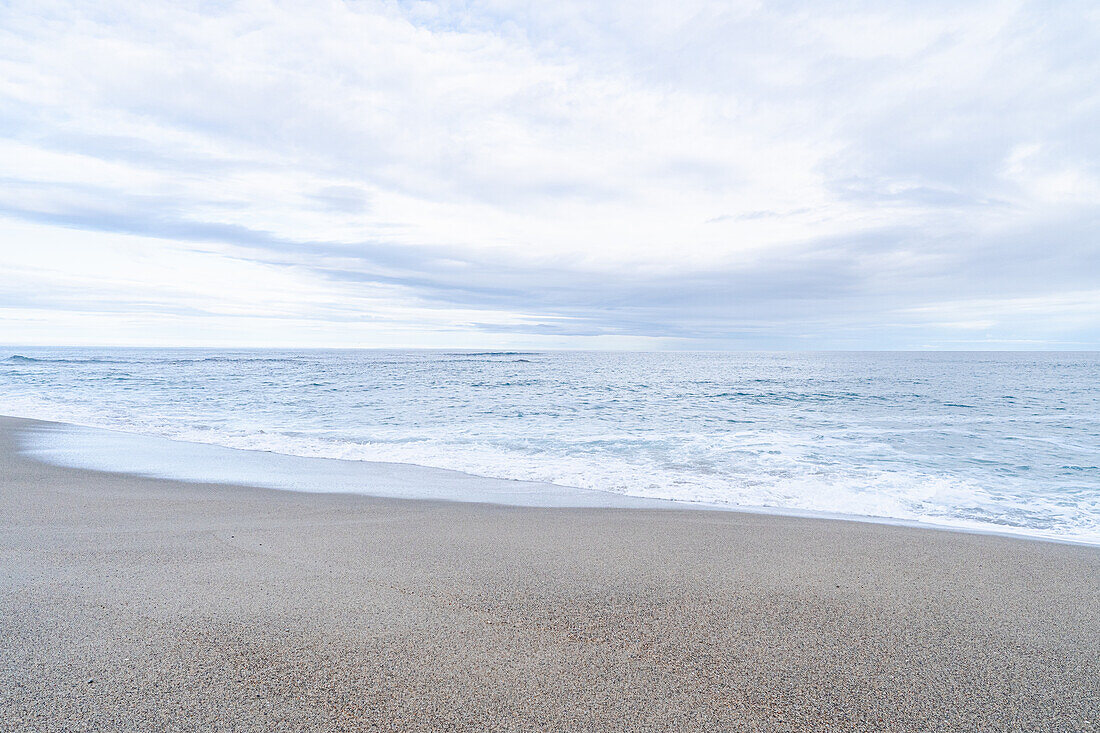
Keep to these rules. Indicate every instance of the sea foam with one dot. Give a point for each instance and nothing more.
(999, 442)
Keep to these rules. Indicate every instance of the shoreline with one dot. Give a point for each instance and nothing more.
(131, 602)
(575, 496)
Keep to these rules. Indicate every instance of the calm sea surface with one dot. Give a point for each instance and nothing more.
(997, 441)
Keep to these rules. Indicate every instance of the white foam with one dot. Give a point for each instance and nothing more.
(927, 502)
(872, 449)
(115, 451)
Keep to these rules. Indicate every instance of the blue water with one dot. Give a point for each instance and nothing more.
(1005, 442)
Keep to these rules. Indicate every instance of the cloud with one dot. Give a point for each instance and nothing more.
(692, 174)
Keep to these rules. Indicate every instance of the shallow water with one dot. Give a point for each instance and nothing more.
(993, 441)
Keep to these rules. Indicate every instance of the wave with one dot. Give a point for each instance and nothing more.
(233, 360)
(143, 359)
(490, 353)
(775, 486)
(20, 359)
(797, 434)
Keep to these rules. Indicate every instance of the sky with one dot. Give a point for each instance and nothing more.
(612, 175)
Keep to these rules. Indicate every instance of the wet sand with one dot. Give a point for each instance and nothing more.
(135, 603)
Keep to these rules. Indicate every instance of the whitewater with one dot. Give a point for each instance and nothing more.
(1005, 442)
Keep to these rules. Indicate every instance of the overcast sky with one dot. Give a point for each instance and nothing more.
(552, 174)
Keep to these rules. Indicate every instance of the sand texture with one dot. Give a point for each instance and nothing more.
(129, 603)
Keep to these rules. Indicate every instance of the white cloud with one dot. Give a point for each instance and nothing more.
(419, 157)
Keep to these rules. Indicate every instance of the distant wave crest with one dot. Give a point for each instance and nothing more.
(491, 353)
(20, 359)
(235, 360)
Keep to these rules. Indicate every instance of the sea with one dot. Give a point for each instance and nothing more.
(987, 441)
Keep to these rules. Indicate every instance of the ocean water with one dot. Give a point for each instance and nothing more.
(1006, 442)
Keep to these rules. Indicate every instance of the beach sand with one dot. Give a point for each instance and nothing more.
(134, 603)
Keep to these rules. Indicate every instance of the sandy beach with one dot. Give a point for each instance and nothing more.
(133, 603)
